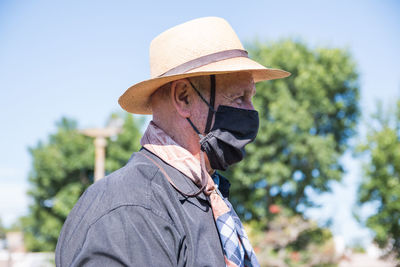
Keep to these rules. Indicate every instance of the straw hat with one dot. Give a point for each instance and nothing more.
(202, 46)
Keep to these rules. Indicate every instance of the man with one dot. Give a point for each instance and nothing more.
(168, 206)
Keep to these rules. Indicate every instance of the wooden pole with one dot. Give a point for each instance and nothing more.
(100, 143)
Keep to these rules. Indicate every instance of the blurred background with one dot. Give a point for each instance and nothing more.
(319, 187)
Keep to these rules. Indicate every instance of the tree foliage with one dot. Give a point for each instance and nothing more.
(2, 230)
(128, 141)
(380, 183)
(292, 241)
(305, 123)
(62, 169)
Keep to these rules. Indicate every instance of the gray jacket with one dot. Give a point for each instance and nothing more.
(134, 217)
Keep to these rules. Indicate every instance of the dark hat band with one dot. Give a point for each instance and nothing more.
(205, 60)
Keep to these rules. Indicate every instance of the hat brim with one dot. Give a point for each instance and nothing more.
(136, 99)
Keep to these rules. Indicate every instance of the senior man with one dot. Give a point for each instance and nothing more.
(168, 206)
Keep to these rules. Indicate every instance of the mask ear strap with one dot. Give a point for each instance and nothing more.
(212, 103)
(195, 128)
(202, 98)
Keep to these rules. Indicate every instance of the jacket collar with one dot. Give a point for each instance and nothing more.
(156, 141)
(179, 179)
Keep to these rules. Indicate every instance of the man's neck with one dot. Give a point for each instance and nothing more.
(184, 136)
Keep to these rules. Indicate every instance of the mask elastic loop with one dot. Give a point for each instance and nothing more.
(195, 128)
(212, 103)
(211, 110)
(202, 98)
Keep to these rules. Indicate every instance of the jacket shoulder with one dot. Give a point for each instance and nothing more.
(127, 186)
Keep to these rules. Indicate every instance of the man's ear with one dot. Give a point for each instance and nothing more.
(181, 97)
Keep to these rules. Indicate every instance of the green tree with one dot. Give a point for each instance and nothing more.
(62, 170)
(380, 183)
(305, 123)
(291, 240)
(2, 230)
(128, 141)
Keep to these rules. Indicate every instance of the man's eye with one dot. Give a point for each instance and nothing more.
(239, 99)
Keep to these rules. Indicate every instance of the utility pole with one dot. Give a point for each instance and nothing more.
(100, 143)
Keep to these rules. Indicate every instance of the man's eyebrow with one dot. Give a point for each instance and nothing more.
(229, 97)
(252, 92)
(233, 94)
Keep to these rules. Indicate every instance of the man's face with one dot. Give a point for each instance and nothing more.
(233, 89)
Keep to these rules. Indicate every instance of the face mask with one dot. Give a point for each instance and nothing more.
(233, 129)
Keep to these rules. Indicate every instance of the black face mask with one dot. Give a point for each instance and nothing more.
(233, 129)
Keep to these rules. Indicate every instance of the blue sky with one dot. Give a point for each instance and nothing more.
(74, 58)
